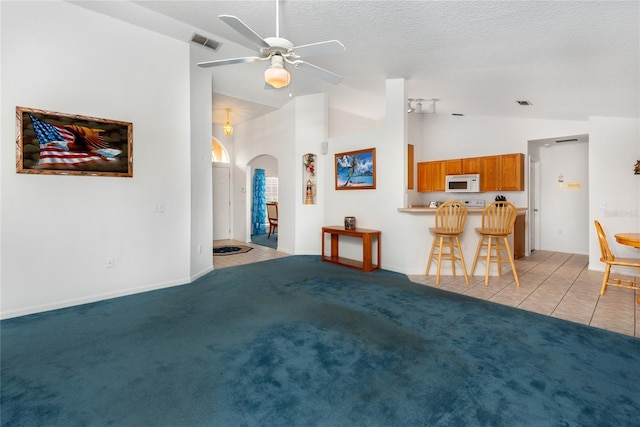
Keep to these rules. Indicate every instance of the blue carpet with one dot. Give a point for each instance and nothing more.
(261, 239)
(298, 342)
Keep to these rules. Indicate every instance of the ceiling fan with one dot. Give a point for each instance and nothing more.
(280, 51)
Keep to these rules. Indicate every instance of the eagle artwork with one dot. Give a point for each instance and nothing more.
(72, 144)
(636, 170)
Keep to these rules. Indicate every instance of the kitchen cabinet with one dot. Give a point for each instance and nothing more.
(453, 167)
(431, 176)
(472, 165)
(502, 173)
(497, 173)
(512, 172)
(489, 167)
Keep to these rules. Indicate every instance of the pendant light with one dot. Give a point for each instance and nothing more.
(227, 128)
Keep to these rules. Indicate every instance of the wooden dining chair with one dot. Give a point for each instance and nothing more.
(272, 214)
(497, 224)
(450, 220)
(610, 261)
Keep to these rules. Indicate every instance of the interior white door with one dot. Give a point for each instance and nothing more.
(221, 202)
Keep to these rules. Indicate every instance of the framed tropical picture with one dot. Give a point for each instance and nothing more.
(66, 144)
(356, 170)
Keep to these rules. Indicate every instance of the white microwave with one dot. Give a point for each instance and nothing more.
(463, 183)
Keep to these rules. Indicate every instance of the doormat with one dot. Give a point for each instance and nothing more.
(230, 250)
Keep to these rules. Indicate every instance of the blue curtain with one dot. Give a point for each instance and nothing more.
(259, 207)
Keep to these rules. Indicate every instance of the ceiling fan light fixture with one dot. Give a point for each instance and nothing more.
(227, 128)
(276, 75)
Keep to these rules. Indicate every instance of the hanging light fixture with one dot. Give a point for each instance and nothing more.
(227, 128)
(276, 75)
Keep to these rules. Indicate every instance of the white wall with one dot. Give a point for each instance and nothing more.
(614, 190)
(448, 137)
(375, 209)
(266, 162)
(343, 123)
(416, 138)
(201, 187)
(287, 134)
(57, 231)
(312, 119)
(613, 143)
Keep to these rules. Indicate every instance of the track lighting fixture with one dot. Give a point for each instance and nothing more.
(415, 105)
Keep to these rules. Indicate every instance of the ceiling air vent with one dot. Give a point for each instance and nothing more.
(559, 141)
(201, 40)
(524, 102)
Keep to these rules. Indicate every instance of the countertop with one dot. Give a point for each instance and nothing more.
(427, 209)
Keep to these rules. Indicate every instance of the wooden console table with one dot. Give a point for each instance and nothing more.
(367, 237)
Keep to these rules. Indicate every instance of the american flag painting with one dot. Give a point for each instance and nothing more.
(59, 145)
(68, 144)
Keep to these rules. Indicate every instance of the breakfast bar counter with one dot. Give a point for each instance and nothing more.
(470, 237)
(427, 209)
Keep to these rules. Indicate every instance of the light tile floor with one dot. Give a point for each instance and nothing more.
(551, 283)
(258, 253)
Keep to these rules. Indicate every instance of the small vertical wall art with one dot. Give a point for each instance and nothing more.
(309, 178)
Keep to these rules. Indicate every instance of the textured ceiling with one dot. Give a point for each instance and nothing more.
(570, 59)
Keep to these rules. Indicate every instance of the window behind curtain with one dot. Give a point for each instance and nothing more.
(271, 190)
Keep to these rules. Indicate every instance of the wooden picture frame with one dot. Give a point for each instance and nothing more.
(356, 170)
(64, 144)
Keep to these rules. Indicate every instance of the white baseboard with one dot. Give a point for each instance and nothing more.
(94, 298)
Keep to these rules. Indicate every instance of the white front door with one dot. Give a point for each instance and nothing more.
(221, 201)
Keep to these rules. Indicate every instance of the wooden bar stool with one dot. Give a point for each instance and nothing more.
(451, 217)
(497, 223)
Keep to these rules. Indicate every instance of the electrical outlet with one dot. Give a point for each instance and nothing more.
(109, 263)
(199, 249)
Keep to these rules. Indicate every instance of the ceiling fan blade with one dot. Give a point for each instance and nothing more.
(243, 29)
(330, 47)
(317, 71)
(230, 61)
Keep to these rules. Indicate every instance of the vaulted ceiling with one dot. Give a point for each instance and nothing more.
(569, 59)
